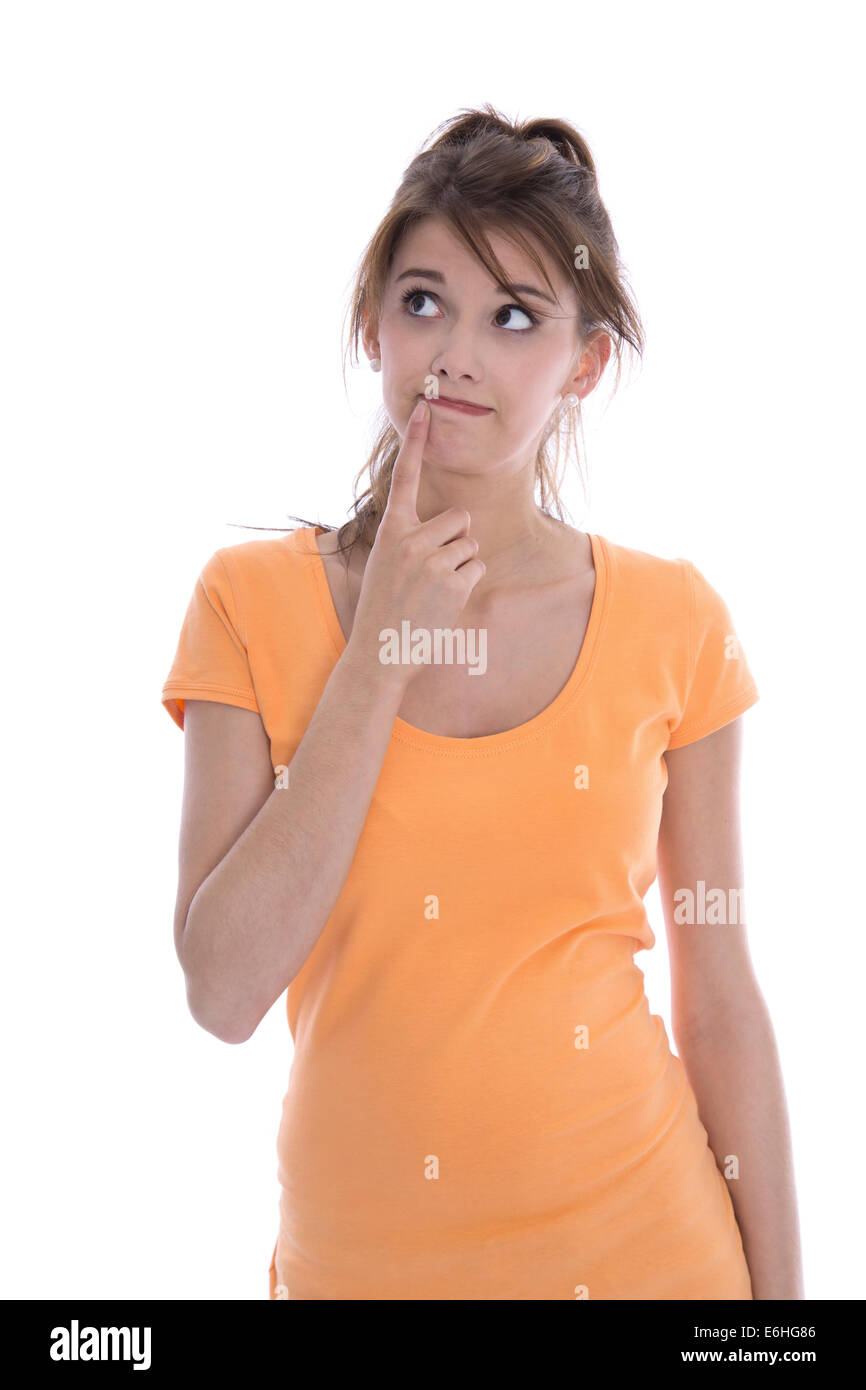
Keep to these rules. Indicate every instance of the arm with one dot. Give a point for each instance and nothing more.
(720, 1020)
(255, 890)
(254, 856)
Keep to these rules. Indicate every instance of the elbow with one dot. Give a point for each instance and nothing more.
(208, 1006)
(229, 1029)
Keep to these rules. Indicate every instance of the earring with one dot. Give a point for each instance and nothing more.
(376, 364)
(571, 400)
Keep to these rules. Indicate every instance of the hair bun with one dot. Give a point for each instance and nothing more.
(564, 139)
(472, 123)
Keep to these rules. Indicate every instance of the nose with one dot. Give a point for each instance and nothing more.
(457, 361)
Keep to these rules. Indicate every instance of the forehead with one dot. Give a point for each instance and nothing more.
(432, 244)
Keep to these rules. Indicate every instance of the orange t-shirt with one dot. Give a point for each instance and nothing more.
(480, 1104)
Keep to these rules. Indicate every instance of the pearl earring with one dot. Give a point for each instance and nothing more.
(571, 400)
(376, 364)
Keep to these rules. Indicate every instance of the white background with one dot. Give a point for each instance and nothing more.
(187, 189)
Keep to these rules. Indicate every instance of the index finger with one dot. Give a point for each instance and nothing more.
(406, 474)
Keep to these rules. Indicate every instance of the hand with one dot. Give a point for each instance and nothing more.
(420, 571)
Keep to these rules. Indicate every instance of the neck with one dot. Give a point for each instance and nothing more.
(504, 519)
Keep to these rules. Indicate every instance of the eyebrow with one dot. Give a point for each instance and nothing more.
(440, 280)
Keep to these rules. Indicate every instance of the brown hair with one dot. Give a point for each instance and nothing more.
(528, 179)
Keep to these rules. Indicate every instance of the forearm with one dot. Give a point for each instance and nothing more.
(733, 1066)
(258, 915)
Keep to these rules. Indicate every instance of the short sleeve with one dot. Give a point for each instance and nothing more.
(719, 685)
(211, 661)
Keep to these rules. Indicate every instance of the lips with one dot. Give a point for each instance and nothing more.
(463, 407)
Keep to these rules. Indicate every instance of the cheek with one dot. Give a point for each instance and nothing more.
(522, 378)
(399, 343)
(523, 403)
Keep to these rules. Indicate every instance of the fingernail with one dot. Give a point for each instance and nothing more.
(418, 412)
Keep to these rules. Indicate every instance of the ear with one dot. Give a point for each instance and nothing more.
(369, 337)
(594, 357)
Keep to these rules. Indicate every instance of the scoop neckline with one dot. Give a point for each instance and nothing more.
(485, 744)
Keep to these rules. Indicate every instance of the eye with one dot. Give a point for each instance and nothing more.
(515, 308)
(417, 292)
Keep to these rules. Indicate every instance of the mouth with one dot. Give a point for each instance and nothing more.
(463, 407)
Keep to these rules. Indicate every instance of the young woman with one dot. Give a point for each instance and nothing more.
(444, 860)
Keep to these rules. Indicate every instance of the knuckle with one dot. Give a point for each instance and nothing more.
(408, 554)
(435, 562)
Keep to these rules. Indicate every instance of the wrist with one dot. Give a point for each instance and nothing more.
(362, 660)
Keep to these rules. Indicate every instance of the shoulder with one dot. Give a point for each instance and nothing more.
(650, 581)
(262, 559)
(644, 562)
(670, 595)
(246, 578)
(268, 550)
